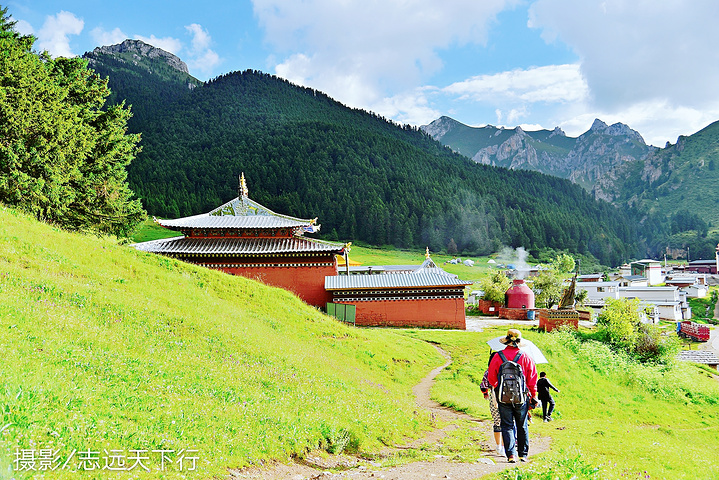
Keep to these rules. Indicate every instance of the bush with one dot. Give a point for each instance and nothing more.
(619, 325)
(495, 286)
(674, 381)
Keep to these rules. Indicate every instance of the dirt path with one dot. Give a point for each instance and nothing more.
(318, 466)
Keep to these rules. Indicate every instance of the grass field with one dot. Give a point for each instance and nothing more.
(107, 348)
(111, 350)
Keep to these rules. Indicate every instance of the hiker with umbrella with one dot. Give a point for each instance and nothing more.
(513, 374)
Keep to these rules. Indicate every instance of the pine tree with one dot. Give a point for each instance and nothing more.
(62, 157)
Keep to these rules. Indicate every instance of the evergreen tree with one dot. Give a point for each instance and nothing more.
(62, 157)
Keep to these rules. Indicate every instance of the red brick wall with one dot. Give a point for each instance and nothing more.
(552, 319)
(485, 305)
(435, 313)
(513, 313)
(308, 283)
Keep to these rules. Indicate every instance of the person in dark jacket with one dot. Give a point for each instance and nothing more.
(543, 386)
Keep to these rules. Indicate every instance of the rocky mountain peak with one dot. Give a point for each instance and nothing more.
(557, 132)
(615, 130)
(598, 125)
(139, 49)
(439, 128)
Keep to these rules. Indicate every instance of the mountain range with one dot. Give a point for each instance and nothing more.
(611, 161)
(367, 178)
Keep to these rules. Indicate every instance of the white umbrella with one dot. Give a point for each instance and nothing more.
(491, 260)
(528, 347)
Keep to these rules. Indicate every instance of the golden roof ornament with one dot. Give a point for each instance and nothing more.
(243, 186)
(426, 253)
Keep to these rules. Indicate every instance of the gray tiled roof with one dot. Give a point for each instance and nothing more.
(237, 213)
(232, 221)
(238, 246)
(699, 356)
(359, 282)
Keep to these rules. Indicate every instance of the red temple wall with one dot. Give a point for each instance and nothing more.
(308, 283)
(437, 313)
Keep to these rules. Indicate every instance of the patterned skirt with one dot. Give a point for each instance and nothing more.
(494, 410)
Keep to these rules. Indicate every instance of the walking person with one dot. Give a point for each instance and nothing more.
(543, 386)
(493, 408)
(513, 375)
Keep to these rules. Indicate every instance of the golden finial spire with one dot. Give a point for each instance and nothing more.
(426, 253)
(243, 186)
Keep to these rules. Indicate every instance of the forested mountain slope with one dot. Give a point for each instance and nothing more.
(366, 179)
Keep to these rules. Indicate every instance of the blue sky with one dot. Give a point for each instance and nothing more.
(653, 65)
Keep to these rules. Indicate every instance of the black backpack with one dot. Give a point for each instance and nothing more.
(512, 387)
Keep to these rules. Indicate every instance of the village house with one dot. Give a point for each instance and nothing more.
(631, 280)
(650, 269)
(694, 284)
(592, 277)
(702, 266)
(427, 296)
(666, 303)
(598, 292)
(242, 237)
(670, 301)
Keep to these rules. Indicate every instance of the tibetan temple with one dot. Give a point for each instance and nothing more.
(245, 238)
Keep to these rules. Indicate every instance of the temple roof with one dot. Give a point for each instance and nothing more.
(240, 212)
(428, 266)
(238, 246)
(409, 280)
(208, 220)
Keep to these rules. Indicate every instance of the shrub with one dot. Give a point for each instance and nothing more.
(619, 325)
(495, 286)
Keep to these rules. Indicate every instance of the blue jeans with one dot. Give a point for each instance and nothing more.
(515, 415)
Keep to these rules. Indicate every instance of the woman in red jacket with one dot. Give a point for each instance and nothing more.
(514, 414)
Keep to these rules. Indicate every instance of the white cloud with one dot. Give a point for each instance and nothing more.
(24, 28)
(638, 50)
(200, 38)
(168, 44)
(411, 108)
(54, 34)
(357, 50)
(105, 38)
(657, 121)
(202, 57)
(549, 84)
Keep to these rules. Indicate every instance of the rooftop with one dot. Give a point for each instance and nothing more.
(238, 246)
(410, 280)
(240, 212)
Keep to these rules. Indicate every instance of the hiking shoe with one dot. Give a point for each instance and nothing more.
(511, 459)
(548, 419)
(522, 459)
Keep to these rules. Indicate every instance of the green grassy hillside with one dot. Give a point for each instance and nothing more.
(104, 347)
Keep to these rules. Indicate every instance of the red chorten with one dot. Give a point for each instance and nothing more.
(519, 295)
